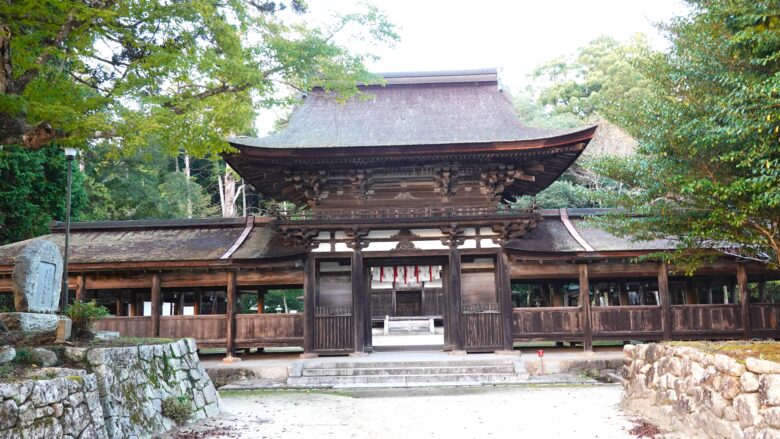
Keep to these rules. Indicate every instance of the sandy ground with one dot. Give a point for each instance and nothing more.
(543, 411)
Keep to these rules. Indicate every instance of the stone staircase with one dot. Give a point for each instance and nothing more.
(357, 374)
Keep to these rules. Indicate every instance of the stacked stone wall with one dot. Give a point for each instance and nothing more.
(701, 394)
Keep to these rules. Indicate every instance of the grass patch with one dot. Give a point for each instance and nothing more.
(739, 350)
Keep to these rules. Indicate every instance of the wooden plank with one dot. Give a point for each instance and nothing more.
(587, 335)
(230, 315)
(126, 326)
(156, 302)
(663, 297)
(744, 300)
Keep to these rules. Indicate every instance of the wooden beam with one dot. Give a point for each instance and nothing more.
(744, 300)
(230, 316)
(309, 291)
(156, 305)
(663, 297)
(504, 287)
(358, 299)
(587, 331)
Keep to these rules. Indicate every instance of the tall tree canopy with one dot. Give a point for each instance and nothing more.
(709, 130)
(183, 74)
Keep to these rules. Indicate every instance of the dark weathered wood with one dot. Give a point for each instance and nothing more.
(81, 288)
(126, 326)
(359, 302)
(744, 300)
(207, 330)
(587, 334)
(156, 302)
(627, 322)
(623, 293)
(261, 292)
(269, 330)
(504, 286)
(664, 299)
(547, 323)
(309, 293)
(454, 293)
(197, 301)
(706, 321)
(761, 289)
(230, 314)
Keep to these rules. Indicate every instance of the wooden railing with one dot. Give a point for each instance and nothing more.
(423, 213)
(688, 322)
(252, 330)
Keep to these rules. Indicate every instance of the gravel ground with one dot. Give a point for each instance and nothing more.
(537, 411)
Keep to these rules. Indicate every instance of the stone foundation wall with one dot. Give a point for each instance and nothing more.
(67, 405)
(117, 394)
(134, 381)
(701, 394)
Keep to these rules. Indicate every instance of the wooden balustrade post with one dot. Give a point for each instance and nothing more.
(309, 310)
(230, 319)
(156, 305)
(744, 301)
(81, 288)
(504, 284)
(587, 331)
(665, 300)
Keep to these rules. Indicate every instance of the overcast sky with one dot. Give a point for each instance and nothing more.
(515, 36)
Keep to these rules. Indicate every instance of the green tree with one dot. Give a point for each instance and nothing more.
(709, 172)
(184, 73)
(33, 188)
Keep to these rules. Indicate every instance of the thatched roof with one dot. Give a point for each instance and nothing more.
(551, 236)
(417, 108)
(160, 241)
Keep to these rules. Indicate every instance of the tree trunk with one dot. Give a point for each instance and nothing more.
(187, 182)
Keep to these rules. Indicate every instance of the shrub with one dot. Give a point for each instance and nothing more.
(84, 315)
(179, 409)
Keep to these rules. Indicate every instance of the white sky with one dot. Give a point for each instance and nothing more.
(515, 36)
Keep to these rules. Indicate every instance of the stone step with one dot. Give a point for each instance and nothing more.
(427, 370)
(403, 380)
(410, 363)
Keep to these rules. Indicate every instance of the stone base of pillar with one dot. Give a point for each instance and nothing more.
(358, 354)
(456, 352)
(506, 352)
(307, 355)
(231, 359)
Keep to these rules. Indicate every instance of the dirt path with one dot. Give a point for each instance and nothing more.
(493, 412)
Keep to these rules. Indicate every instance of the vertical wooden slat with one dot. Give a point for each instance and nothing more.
(230, 315)
(358, 299)
(663, 297)
(81, 288)
(587, 334)
(744, 300)
(456, 335)
(504, 286)
(309, 291)
(155, 305)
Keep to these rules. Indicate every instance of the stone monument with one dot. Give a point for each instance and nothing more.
(37, 282)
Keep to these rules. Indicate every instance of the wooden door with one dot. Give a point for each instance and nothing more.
(333, 318)
(408, 303)
(481, 319)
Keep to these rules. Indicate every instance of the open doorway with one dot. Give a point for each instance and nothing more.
(407, 306)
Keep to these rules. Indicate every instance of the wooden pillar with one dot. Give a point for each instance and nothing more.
(261, 299)
(358, 298)
(368, 340)
(762, 289)
(156, 305)
(132, 310)
(197, 301)
(81, 288)
(456, 335)
(691, 293)
(213, 302)
(118, 302)
(587, 334)
(623, 293)
(664, 299)
(180, 303)
(504, 285)
(557, 289)
(230, 318)
(744, 301)
(309, 292)
(709, 291)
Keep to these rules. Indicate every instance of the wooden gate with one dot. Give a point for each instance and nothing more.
(333, 329)
(482, 324)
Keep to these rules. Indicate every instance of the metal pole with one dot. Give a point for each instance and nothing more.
(67, 237)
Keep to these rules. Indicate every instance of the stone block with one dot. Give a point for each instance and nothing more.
(749, 382)
(43, 357)
(747, 407)
(728, 365)
(7, 353)
(9, 414)
(27, 321)
(762, 366)
(730, 386)
(771, 416)
(106, 335)
(64, 329)
(769, 389)
(37, 277)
